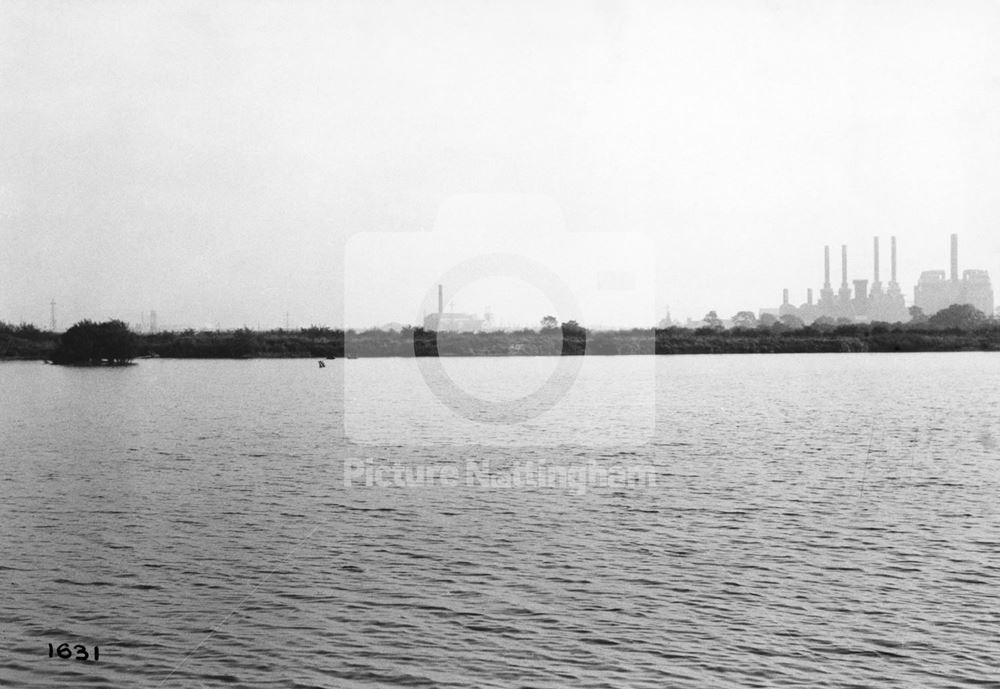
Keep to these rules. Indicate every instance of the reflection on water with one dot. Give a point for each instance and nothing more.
(817, 520)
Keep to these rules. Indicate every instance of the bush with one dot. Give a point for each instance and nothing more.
(88, 343)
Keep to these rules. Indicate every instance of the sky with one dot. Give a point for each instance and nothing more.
(263, 163)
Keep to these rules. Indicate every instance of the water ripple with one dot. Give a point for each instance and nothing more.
(190, 519)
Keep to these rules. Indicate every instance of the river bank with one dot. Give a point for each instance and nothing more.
(330, 343)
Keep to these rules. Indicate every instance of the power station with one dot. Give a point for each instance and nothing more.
(933, 292)
(450, 321)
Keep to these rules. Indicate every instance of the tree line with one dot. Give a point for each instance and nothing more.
(959, 327)
(955, 317)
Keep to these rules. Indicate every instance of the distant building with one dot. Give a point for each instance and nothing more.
(451, 321)
(666, 321)
(858, 304)
(933, 291)
(887, 305)
(454, 322)
(936, 291)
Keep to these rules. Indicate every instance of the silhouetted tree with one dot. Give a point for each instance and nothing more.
(745, 319)
(712, 320)
(424, 342)
(25, 340)
(824, 323)
(244, 343)
(550, 323)
(917, 315)
(792, 322)
(957, 316)
(30, 332)
(574, 338)
(110, 343)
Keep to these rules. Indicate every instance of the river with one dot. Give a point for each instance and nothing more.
(795, 520)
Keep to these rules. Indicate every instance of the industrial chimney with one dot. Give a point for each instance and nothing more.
(843, 266)
(809, 296)
(893, 259)
(784, 297)
(826, 267)
(954, 258)
(440, 301)
(876, 260)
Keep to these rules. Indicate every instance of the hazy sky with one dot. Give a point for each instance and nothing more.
(210, 160)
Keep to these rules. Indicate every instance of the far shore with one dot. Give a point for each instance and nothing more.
(327, 343)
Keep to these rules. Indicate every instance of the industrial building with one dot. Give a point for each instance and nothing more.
(450, 321)
(936, 291)
(856, 301)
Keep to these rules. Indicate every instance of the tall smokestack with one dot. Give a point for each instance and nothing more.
(809, 296)
(893, 259)
(826, 266)
(784, 297)
(440, 299)
(954, 257)
(876, 259)
(843, 265)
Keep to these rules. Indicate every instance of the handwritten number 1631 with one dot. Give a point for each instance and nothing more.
(64, 651)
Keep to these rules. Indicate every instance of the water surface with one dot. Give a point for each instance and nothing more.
(817, 520)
